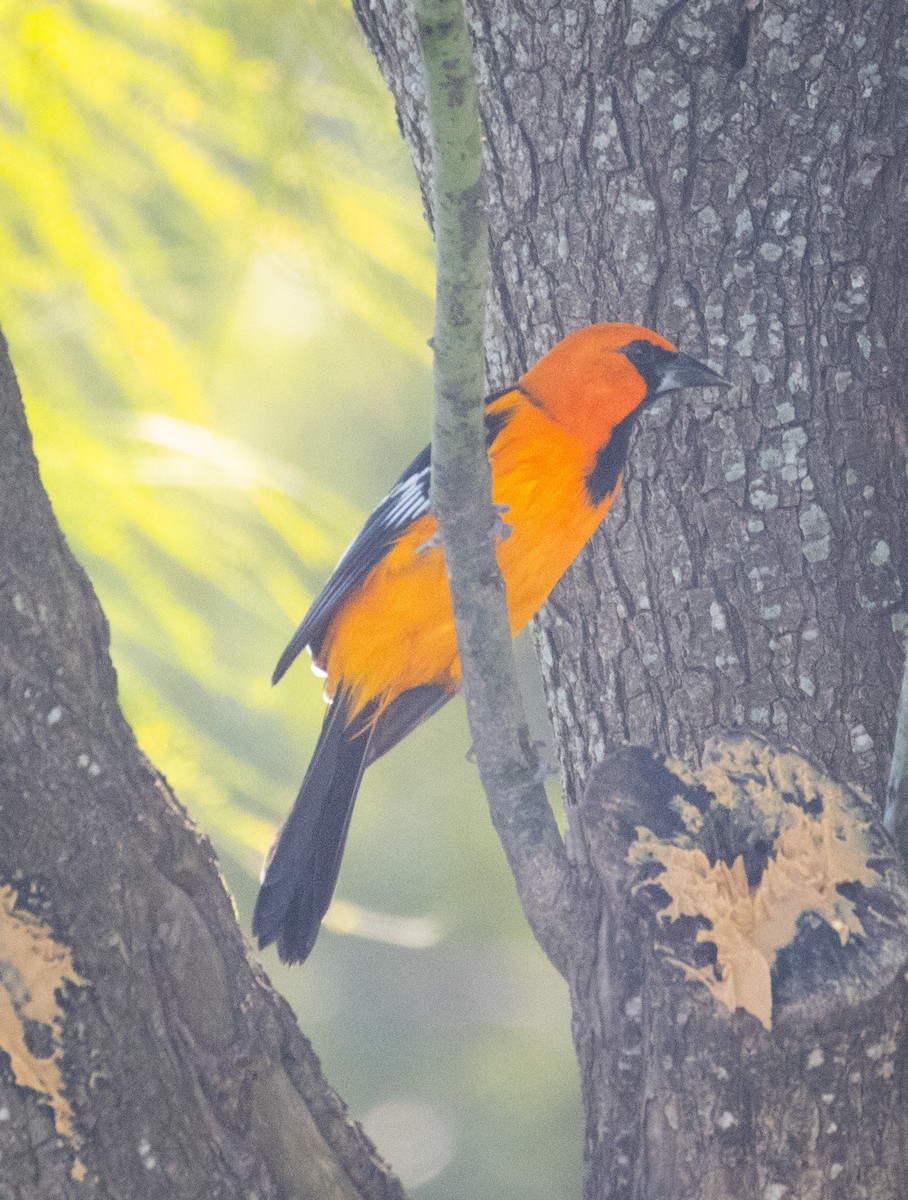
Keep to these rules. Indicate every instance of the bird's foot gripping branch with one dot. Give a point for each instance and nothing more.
(752, 972)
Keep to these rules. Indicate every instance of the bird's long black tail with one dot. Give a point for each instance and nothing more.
(302, 867)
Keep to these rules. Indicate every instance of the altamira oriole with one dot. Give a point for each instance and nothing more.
(382, 630)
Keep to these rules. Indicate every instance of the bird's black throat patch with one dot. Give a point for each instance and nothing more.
(610, 459)
(651, 361)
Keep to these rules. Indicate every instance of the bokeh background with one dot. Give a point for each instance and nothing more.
(216, 283)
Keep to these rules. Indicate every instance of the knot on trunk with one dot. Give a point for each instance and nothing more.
(747, 990)
(756, 875)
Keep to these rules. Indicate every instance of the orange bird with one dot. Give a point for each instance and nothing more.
(382, 630)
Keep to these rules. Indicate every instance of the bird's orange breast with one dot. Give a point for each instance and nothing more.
(397, 630)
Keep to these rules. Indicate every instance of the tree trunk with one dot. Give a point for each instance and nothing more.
(734, 176)
(144, 1054)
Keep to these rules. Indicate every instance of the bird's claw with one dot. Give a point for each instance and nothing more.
(545, 767)
(500, 530)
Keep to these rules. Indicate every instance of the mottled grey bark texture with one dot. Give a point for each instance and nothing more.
(736, 177)
(143, 1053)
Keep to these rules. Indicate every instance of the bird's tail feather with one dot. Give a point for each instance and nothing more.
(302, 867)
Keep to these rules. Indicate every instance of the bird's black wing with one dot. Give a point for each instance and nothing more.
(407, 501)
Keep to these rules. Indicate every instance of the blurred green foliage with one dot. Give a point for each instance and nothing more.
(217, 290)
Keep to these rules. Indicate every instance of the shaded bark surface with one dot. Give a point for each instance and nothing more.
(181, 1074)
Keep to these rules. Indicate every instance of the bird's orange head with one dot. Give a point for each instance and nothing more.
(596, 377)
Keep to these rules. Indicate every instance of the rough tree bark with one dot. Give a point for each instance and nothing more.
(735, 176)
(143, 1052)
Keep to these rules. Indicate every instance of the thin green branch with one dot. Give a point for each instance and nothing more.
(462, 495)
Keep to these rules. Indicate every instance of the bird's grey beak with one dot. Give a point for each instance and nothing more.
(684, 372)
